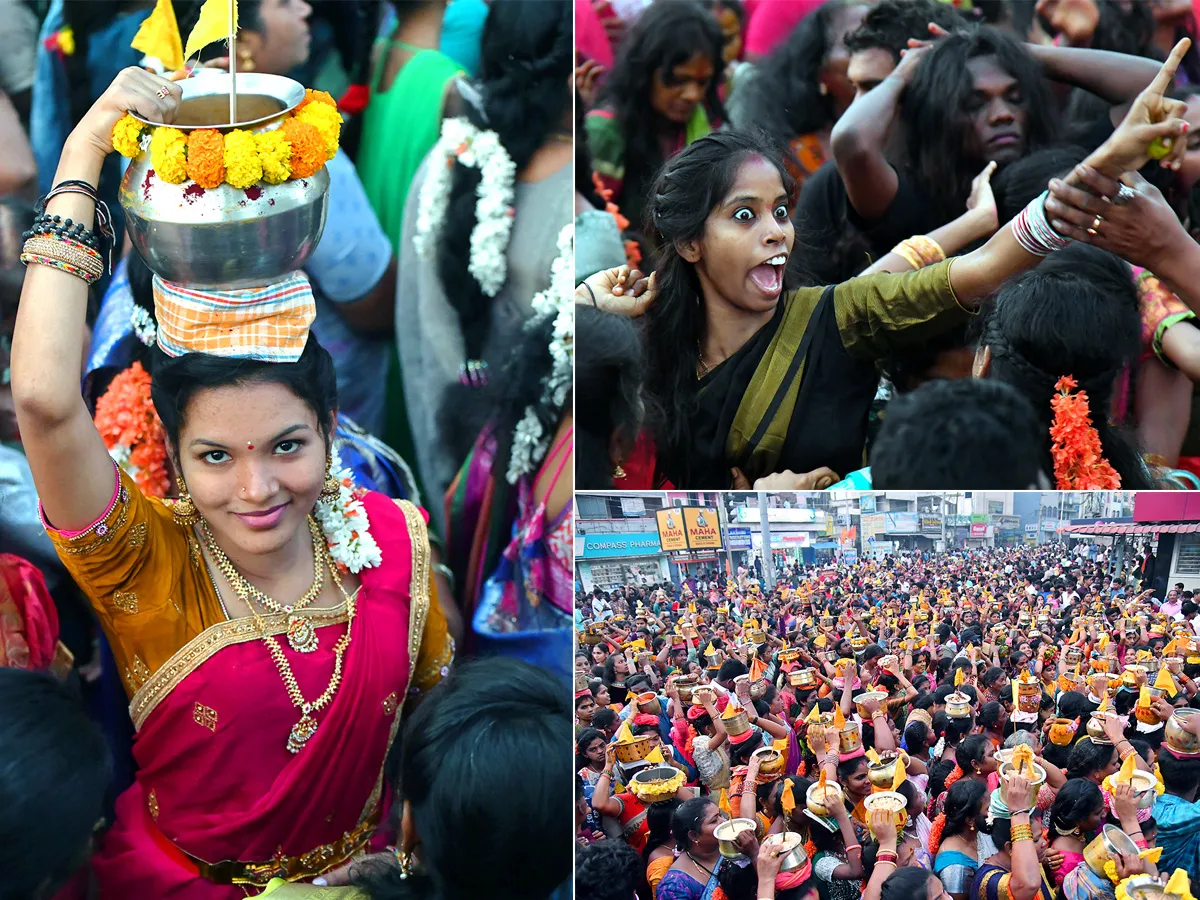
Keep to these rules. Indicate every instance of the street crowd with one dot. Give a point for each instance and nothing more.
(994, 724)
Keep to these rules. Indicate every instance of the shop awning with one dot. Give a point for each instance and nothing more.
(1132, 528)
(825, 545)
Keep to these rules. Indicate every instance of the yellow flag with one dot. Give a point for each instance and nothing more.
(839, 720)
(814, 714)
(872, 756)
(723, 804)
(215, 24)
(788, 801)
(655, 756)
(958, 677)
(1143, 700)
(625, 733)
(1164, 682)
(1179, 885)
(1153, 855)
(901, 775)
(1126, 774)
(159, 37)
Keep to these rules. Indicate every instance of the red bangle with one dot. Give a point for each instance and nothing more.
(853, 847)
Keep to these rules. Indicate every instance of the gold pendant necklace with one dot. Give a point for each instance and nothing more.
(304, 729)
(301, 635)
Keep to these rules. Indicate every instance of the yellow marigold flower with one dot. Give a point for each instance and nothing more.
(274, 154)
(127, 136)
(308, 149)
(66, 41)
(311, 96)
(168, 154)
(328, 122)
(242, 166)
(206, 157)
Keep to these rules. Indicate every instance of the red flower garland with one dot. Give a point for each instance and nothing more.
(633, 253)
(126, 419)
(1079, 463)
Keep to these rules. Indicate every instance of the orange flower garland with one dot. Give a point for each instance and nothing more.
(1079, 463)
(126, 419)
(308, 150)
(206, 157)
(633, 252)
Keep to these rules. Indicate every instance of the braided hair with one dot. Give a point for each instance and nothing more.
(525, 65)
(1076, 314)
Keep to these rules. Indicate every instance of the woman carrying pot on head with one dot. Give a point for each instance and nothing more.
(262, 640)
(736, 379)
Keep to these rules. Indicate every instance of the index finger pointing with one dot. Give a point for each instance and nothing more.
(1166, 74)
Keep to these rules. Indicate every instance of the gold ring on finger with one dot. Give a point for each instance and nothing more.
(1095, 229)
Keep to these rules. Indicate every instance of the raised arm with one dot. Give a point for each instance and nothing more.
(71, 466)
(1114, 77)
(860, 136)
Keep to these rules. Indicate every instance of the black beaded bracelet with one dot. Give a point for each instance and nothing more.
(57, 226)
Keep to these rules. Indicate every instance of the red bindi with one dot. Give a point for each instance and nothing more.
(249, 446)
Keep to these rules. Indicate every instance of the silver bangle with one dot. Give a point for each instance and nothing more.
(444, 569)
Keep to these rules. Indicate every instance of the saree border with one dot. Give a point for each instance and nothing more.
(208, 643)
(418, 592)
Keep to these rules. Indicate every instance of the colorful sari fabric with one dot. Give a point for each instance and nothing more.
(991, 883)
(813, 362)
(217, 788)
(1081, 883)
(524, 606)
(677, 885)
(657, 869)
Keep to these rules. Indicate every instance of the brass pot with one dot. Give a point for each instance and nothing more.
(1095, 727)
(851, 738)
(737, 724)
(804, 679)
(771, 761)
(794, 856)
(690, 632)
(1105, 847)
(819, 803)
(633, 751)
(1130, 676)
(889, 800)
(727, 831)
(1177, 738)
(862, 698)
(958, 705)
(756, 636)
(883, 773)
(1006, 771)
(685, 687)
(648, 703)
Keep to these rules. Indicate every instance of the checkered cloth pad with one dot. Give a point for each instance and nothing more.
(268, 324)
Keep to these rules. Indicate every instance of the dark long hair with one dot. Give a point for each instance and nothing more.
(55, 773)
(608, 379)
(687, 189)
(1076, 314)
(665, 36)
(784, 96)
(933, 105)
(1075, 801)
(962, 805)
(525, 64)
(489, 719)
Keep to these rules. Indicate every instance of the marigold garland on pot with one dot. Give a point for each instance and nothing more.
(299, 148)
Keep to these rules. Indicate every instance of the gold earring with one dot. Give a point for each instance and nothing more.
(184, 510)
(618, 473)
(405, 859)
(333, 488)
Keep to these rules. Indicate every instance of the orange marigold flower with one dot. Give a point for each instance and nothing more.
(1079, 463)
(311, 96)
(206, 157)
(328, 122)
(132, 432)
(308, 149)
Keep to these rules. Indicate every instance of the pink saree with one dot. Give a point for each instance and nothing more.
(216, 782)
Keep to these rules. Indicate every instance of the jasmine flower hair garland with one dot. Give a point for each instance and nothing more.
(464, 143)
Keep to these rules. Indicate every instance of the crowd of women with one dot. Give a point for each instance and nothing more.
(856, 273)
(1002, 724)
(259, 576)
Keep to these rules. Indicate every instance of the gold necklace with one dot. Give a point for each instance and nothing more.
(301, 634)
(306, 727)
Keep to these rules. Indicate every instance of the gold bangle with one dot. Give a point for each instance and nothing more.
(1022, 833)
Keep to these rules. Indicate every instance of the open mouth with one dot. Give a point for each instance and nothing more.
(768, 276)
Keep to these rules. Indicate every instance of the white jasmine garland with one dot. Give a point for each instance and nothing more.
(143, 325)
(470, 146)
(530, 440)
(345, 525)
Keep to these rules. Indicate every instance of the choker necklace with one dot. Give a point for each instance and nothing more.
(301, 635)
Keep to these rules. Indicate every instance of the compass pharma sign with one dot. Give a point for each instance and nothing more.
(703, 529)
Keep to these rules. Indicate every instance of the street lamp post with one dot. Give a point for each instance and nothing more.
(767, 557)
